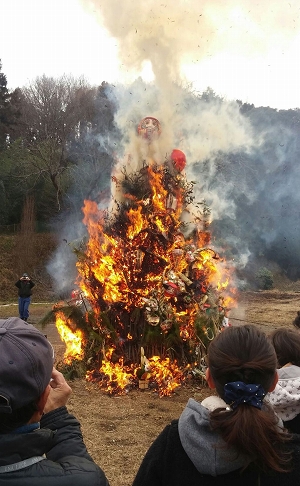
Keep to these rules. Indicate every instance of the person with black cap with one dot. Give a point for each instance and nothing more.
(25, 285)
(40, 442)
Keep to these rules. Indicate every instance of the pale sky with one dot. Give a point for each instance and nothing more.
(240, 48)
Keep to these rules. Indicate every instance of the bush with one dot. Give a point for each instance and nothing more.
(265, 279)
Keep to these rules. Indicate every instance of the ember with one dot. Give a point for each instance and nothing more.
(155, 291)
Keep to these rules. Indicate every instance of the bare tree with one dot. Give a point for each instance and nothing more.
(53, 110)
(25, 239)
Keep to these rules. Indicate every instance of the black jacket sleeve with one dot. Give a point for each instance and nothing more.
(68, 438)
(68, 449)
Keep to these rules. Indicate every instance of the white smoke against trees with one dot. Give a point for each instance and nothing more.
(163, 37)
(201, 129)
(167, 35)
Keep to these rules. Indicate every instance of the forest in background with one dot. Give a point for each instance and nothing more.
(59, 140)
(28, 253)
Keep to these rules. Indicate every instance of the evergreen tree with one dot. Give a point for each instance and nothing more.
(4, 107)
(10, 112)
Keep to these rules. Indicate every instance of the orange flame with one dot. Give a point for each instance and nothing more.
(114, 262)
(72, 339)
(166, 374)
(115, 378)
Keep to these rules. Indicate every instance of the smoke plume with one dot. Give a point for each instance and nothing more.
(228, 151)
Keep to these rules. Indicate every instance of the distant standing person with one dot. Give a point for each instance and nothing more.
(25, 285)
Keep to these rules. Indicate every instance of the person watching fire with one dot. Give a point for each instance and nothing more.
(233, 437)
(285, 398)
(25, 285)
(40, 442)
(296, 321)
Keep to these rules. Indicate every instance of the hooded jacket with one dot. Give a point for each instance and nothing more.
(62, 456)
(285, 398)
(189, 453)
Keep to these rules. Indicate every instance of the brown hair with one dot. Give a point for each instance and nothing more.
(245, 354)
(287, 346)
(296, 321)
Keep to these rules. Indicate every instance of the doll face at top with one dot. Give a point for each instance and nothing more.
(149, 128)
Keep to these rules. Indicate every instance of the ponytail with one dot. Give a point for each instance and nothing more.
(255, 433)
(244, 355)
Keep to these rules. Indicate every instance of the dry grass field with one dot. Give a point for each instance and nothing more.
(118, 430)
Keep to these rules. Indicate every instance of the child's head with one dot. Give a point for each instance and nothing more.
(242, 354)
(287, 346)
(242, 366)
(296, 321)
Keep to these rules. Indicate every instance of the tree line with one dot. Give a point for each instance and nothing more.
(57, 142)
(47, 130)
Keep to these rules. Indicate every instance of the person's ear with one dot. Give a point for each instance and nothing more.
(43, 399)
(209, 379)
(40, 405)
(274, 382)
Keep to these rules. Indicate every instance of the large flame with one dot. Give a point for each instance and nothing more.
(72, 339)
(143, 262)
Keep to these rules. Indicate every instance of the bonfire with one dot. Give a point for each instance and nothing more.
(151, 290)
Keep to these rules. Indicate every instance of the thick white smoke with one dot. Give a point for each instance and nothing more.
(169, 33)
(168, 36)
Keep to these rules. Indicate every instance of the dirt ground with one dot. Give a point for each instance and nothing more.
(119, 430)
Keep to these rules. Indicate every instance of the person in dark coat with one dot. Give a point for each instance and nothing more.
(232, 438)
(25, 285)
(40, 441)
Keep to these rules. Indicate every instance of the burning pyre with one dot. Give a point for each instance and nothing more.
(152, 290)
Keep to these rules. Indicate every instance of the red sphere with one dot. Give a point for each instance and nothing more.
(179, 160)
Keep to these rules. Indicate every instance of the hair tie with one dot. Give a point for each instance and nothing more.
(238, 392)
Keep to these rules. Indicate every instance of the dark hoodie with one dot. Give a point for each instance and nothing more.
(188, 452)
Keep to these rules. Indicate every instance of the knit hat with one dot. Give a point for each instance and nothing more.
(26, 363)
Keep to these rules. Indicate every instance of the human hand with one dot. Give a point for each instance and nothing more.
(59, 392)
